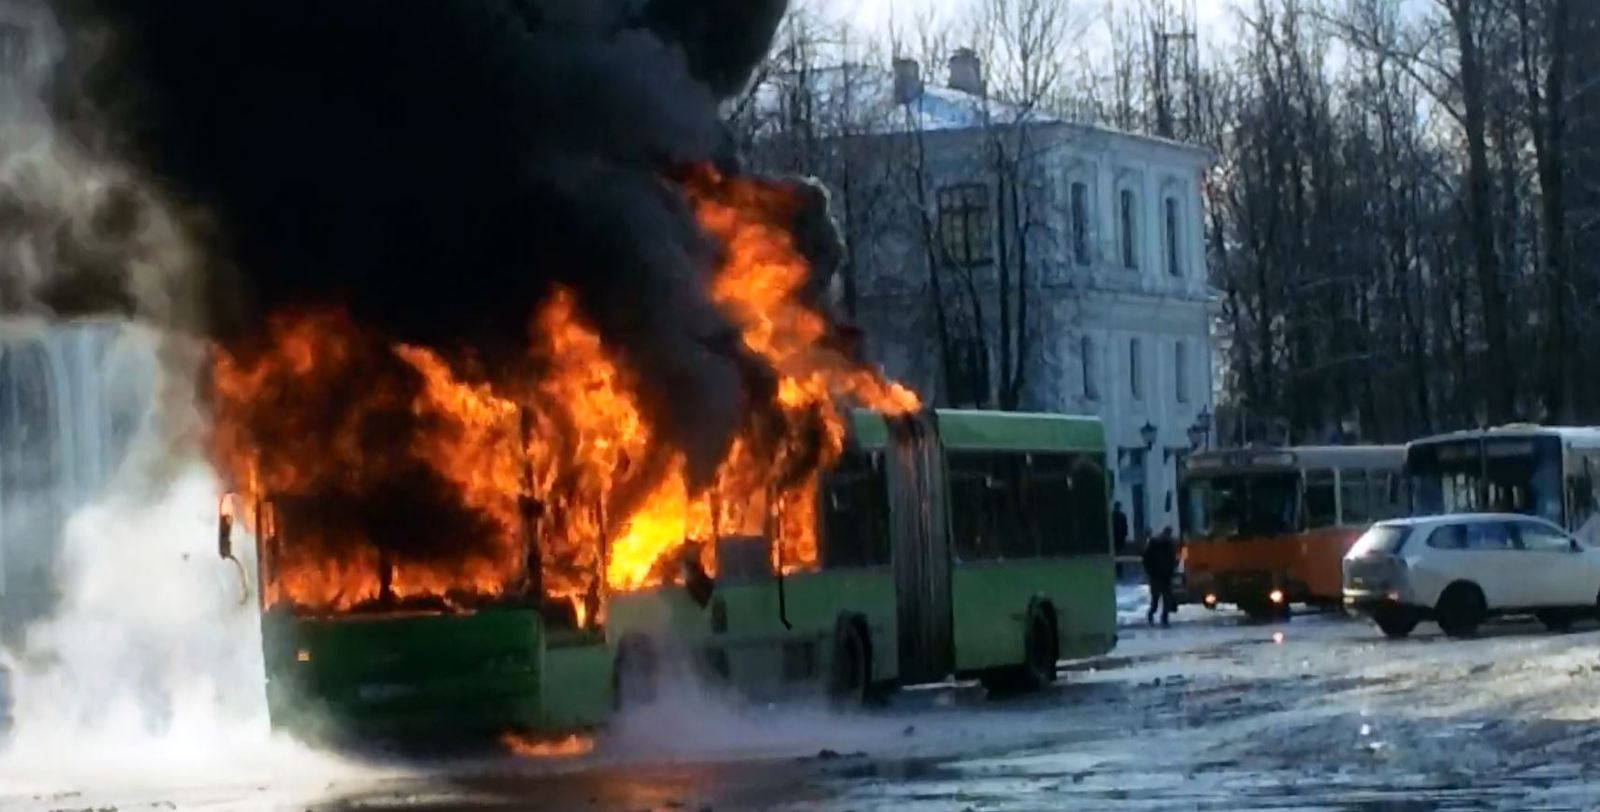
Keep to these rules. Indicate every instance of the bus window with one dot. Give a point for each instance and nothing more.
(1580, 494)
(1261, 504)
(1384, 496)
(1320, 503)
(1353, 505)
(1009, 509)
(1500, 474)
(986, 506)
(1052, 501)
(1089, 507)
(855, 513)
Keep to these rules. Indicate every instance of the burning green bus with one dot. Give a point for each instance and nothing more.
(395, 668)
(952, 543)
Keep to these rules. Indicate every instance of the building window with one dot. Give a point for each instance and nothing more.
(1080, 223)
(1091, 386)
(1174, 265)
(964, 224)
(1135, 371)
(1180, 368)
(1130, 225)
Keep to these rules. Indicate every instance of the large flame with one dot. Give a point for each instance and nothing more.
(344, 430)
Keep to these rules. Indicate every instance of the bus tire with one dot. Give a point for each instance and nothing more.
(1041, 647)
(1040, 651)
(850, 669)
(1461, 609)
(634, 672)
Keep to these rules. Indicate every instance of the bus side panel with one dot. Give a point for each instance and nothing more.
(1321, 563)
(665, 612)
(991, 603)
(426, 674)
(576, 689)
(1312, 561)
(813, 602)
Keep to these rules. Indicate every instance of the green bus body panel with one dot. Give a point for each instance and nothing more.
(990, 602)
(483, 672)
(963, 430)
(868, 430)
(755, 634)
(989, 599)
(813, 603)
(576, 689)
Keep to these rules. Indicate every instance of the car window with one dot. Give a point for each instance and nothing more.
(1380, 539)
(1538, 538)
(1449, 537)
(1487, 536)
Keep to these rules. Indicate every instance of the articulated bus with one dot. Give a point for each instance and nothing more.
(1546, 471)
(953, 543)
(1267, 528)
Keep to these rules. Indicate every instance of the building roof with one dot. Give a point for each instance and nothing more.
(857, 99)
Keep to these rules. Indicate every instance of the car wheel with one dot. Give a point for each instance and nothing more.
(1556, 620)
(1461, 610)
(1396, 624)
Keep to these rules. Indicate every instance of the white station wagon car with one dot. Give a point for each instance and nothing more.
(1459, 570)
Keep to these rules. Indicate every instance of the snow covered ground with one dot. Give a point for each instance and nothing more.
(1318, 713)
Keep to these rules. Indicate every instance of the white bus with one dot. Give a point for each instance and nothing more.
(1546, 471)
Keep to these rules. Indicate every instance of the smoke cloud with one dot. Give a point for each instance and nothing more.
(80, 233)
(437, 167)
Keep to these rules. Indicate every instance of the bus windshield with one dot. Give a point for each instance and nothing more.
(1494, 475)
(1230, 506)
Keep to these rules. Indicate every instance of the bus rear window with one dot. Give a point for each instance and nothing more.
(1380, 540)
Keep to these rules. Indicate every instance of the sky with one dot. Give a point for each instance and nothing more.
(1213, 15)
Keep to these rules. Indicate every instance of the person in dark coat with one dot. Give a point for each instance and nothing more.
(1160, 564)
(1119, 528)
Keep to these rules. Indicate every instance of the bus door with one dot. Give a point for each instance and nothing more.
(919, 532)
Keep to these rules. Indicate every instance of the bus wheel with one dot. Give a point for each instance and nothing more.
(850, 673)
(1461, 608)
(1041, 648)
(634, 672)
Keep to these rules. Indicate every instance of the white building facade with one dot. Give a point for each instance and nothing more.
(1119, 313)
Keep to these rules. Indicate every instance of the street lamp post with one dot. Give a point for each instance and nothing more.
(1200, 430)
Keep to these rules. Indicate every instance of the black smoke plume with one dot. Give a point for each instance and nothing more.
(435, 165)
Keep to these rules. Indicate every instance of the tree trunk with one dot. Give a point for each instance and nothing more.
(1498, 381)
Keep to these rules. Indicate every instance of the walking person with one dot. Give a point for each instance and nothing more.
(1119, 528)
(1160, 564)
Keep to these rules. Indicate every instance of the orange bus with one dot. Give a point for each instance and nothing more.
(1267, 528)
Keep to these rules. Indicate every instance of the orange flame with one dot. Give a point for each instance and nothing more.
(563, 461)
(568, 747)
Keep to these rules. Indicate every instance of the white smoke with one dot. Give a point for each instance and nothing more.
(149, 673)
(80, 233)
